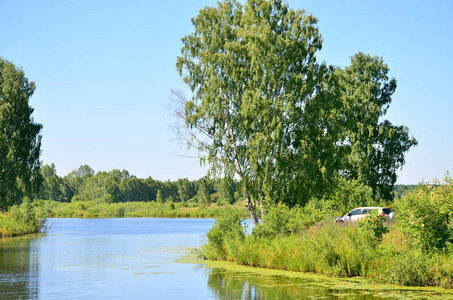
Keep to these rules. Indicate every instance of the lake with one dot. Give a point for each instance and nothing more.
(144, 258)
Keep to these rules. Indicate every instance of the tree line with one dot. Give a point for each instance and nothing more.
(83, 184)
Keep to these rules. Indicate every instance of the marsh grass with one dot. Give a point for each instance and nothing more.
(416, 250)
(342, 251)
(90, 209)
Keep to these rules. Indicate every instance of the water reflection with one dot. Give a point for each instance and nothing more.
(19, 269)
(228, 284)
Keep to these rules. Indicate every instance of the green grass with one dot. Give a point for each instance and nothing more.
(89, 209)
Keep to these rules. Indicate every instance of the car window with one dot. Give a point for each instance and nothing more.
(386, 211)
(356, 212)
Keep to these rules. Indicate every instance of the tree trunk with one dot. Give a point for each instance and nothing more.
(251, 209)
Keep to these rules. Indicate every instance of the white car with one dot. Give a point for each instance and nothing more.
(359, 213)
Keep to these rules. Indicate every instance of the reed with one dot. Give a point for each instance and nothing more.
(91, 209)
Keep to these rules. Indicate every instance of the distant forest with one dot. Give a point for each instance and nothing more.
(400, 189)
(83, 184)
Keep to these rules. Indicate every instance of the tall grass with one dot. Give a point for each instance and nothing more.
(90, 209)
(368, 249)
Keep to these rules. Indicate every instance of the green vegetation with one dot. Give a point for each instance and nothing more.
(264, 110)
(415, 250)
(115, 186)
(20, 141)
(20, 148)
(90, 209)
(21, 219)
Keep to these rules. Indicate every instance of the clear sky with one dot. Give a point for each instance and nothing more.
(104, 70)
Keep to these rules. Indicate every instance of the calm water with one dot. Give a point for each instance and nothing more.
(138, 259)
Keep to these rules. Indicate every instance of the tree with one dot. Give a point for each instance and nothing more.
(186, 190)
(263, 109)
(203, 194)
(76, 179)
(52, 185)
(133, 189)
(159, 197)
(20, 139)
(373, 148)
(254, 78)
(225, 187)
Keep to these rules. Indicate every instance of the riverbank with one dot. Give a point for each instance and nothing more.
(20, 220)
(90, 209)
(361, 286)
(341, 251)
(415, 250)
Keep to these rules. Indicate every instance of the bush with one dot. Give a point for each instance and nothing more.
(281, 220)
(372, 228)
(426, 215)
(226, 230)
(170, 205)
(20, 219)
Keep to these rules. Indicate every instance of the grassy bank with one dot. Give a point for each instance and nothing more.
(21, 219)
(414, 251)
(90, 209)
(338, 251)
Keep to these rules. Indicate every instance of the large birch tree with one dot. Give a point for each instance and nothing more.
(253, 74)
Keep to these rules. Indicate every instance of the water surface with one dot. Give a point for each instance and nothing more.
(141, 259)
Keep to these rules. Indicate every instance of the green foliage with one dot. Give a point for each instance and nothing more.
(252, 70)
(20, 139)
(226, 188)
(373, 148)
(170, 205)
(203, 194)
(426, 213)
(373, 227)
(264, 109)
(348, 195)
(91, 209)
(400, 190)
(227, 229)
(281, 220)
(402, 254)
(20, 219)
(411, 267)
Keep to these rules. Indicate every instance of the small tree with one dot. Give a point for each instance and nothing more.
(203, 195)
(159, 197)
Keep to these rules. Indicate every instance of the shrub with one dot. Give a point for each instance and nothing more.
(226, 229)
(281, 220)
(20, 219)
(426, 215)
(372, 228)
(170, 205)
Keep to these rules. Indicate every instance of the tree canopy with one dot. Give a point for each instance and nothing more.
(20, 139)
(265, 110)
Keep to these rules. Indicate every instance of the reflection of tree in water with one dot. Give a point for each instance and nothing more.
(227, 284)
(18, 269)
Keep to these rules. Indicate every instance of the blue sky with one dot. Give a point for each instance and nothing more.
(104, 70)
